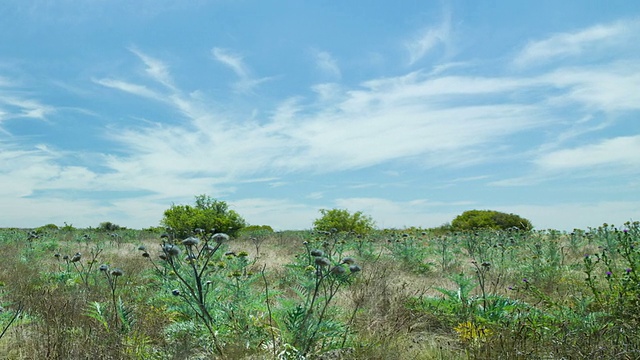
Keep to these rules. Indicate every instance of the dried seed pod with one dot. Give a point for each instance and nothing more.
(348, 260)
(191, 241)
(317, 252)
(117, 272)
(338, 270)
(103, 267)
(171, 250)
(322, 261)
(354, 268)
(220, 237)
(76, 257)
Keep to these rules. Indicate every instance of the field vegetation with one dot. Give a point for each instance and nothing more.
(115, 293)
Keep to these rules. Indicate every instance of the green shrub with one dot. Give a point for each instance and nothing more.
(48, 227)
(338, 220)
(208, 214)
(489, 219)
(109, 226)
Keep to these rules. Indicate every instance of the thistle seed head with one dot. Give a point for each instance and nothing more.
(338, 270)
(317, 252)
(220, 237)
(348, 260)
(354, 268)
(103, 267)
(191, 241)
(117, 272)
(322, 261)
(171, 250)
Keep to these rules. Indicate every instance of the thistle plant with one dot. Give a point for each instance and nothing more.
(84, 270)
(308, 321)
(190, 266)
(120, 319)
(618, 290)
(411, 251)
(445, 249)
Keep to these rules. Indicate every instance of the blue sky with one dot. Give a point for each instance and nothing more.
(411, 112)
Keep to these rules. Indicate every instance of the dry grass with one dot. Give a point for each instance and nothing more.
(376, 307)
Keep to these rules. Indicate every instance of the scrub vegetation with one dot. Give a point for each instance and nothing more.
(327, 293)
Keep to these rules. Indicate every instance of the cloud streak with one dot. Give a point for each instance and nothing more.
(430, 38)
(235, 62)
(572, 44)
(619, 152)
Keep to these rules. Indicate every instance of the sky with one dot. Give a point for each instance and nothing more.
(411, 112)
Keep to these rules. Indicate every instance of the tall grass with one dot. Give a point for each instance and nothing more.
(78, 294)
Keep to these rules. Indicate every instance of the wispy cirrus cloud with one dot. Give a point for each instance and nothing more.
(608, 87)
(438, 119)
(571, 44)
(14, 107)
(327, 64)
(131, 88)
(156, 69)
(618, 152)
(429, 38)
(232, 60)
(235, 62)
(433, 117)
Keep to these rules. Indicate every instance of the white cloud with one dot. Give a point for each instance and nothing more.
(421, 119)
(280, 214)
(21, 107)
(573, 44)
(327, 64)
(402, 214)
(614, 152)
(429, 38)
(139, 90)
(232, 60)
(611, 87)
(235, 62)
(155, 68)
(579, 215)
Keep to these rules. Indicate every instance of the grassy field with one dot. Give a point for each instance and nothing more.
(406, 294)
